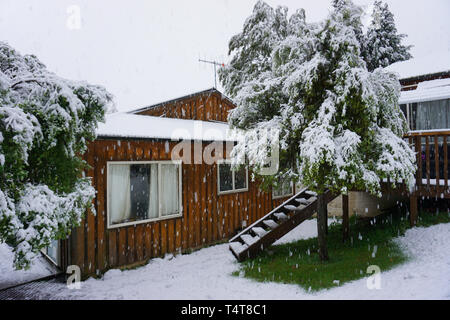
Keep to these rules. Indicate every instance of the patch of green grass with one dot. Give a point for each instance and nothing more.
(371, 243)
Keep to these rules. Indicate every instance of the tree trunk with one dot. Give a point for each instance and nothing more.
(345, 218)
(413, 210)
(322, 225)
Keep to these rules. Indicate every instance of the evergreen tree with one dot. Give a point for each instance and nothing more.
(383, 44)
(45, 125)
(354, 22)
(252, 50)
(340, 125)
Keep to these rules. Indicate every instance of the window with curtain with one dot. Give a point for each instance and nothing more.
(140, 192)
(169, 190)
(429, 115)
(232, 180)
(283, 189)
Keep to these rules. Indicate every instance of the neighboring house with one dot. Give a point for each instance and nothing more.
(425, 98)
(425, 101)
(149, 204)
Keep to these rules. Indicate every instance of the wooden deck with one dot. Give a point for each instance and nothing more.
(432, 176)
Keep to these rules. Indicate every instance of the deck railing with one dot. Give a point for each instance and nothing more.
(432, 149)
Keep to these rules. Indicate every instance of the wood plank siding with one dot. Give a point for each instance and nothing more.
(209, 105)
(207, 217)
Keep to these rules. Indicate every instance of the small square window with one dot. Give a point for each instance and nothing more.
(232, 180)
(283, 189)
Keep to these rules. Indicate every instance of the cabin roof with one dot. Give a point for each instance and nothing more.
(435, 63)
(427, 91)
(126, 125)
(185, 97)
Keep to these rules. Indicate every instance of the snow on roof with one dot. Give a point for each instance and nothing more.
(427, 91)
(431, 64)
(125, 125)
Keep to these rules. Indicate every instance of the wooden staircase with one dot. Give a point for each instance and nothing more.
(264, 232)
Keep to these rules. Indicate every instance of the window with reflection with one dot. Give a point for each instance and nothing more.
(232, 180)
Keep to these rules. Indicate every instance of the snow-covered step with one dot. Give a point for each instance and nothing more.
(311, 193)
(249, 240)
(311, 200)
(259, 231)
(238, 247)
(281, 216)
(294, 208)
(303, 201)
(270, 223)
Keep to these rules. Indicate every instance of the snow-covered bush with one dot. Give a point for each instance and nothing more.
(45, 125)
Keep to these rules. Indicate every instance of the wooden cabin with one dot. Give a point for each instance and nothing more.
(149, 204)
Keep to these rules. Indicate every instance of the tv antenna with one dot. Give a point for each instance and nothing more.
(216, 64)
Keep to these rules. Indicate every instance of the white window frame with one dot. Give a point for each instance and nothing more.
(408, 114)
(57, 263)
(221, 162)
(283, 195)
(160, 217)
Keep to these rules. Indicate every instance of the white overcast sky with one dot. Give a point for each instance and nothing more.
(146, 52)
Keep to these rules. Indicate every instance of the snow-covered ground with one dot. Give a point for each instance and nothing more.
(206, 274)
(9, 276)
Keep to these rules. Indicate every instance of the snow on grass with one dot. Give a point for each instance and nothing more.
(206, 274)
(9, 276)
(305, 230)
(426, 276)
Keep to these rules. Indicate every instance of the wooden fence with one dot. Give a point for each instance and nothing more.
(432, 152)
(432, 175)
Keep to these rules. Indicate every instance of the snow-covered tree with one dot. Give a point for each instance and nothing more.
(383, 44)
(340, 125)
(45, 125)
(354, 20)
(258, 88)
(252, 50)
